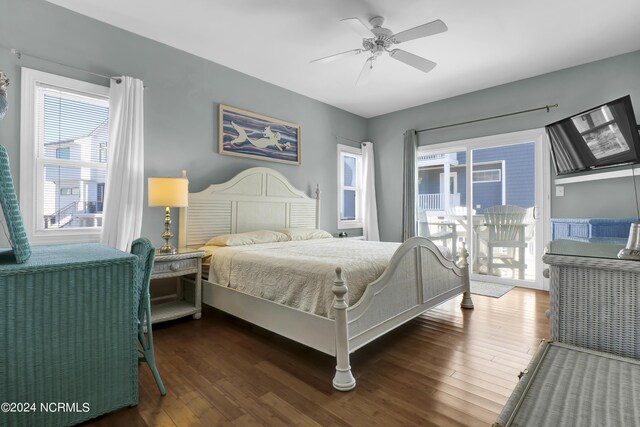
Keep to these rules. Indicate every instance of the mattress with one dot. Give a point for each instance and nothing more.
(300, 274)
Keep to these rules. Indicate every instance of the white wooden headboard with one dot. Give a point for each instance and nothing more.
(255, 199)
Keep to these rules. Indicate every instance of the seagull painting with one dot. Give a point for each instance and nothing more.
(270, 138)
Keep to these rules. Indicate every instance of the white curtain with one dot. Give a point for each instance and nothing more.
(409, 190)
(124, 188)
(370, 220)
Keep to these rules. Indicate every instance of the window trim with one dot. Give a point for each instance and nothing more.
(29, 191)
(357, 153)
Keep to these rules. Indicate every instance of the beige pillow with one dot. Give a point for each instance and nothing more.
(248, 238)
(306, 233)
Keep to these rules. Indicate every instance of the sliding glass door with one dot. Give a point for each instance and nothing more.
(488, 194)
(440, 182)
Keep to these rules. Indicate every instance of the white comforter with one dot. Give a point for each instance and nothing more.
(300, 274)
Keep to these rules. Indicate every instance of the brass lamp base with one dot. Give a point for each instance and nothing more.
(167, 235)
(167, 250)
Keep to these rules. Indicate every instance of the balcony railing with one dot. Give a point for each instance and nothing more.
(435, 202)
(61, 217)
(76, 214)
(432, 157)
(437, 159)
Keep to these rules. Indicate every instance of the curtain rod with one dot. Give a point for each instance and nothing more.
(19, 54)
(347, 139)
(546, 107)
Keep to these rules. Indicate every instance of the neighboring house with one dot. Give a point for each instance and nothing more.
(501, 175)
(74, 195)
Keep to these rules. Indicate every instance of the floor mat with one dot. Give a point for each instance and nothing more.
(488, 289)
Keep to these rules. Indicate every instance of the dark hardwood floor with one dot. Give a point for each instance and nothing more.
(449, 367)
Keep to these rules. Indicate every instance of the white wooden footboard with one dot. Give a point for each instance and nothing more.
(418, 278)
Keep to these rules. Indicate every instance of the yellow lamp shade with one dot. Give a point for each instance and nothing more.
(169, 192)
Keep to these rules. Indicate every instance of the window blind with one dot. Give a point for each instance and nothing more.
(71, 157)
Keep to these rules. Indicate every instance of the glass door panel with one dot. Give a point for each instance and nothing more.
(442, 197)
(487, 193)
(503, 194)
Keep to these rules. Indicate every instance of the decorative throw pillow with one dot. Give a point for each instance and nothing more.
(306, 233)
(11, 209)
(248, 238)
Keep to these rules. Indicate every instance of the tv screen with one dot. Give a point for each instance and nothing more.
(599, 137)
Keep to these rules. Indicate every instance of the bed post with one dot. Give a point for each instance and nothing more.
(343, 380)
(463, 263)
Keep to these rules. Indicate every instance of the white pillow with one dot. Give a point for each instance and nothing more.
(248, 238)
(306, 233)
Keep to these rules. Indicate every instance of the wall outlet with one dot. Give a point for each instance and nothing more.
(559, 191)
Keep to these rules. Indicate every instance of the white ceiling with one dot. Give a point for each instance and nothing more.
(489, 42)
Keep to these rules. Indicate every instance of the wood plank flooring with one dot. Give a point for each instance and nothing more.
(449, 367)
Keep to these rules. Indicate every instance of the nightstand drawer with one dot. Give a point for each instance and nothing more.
(178, 266)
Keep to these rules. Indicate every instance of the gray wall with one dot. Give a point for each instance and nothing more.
(181, 99)
(574, 89)
(183, 92)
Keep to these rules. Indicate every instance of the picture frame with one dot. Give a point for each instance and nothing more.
(251, 135)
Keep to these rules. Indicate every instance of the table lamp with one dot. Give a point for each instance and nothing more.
(169, 193)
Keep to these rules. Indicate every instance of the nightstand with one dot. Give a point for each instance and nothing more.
(186, 267)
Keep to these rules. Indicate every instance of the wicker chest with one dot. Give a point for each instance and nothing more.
(68, 334)
(589, 375)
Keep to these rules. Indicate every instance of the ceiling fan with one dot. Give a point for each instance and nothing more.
(378, 39)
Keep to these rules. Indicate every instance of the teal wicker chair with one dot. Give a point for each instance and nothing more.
(145, 252)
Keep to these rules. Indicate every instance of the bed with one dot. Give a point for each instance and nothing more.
(415, 277)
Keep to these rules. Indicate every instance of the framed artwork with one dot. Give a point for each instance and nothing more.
(246, 134)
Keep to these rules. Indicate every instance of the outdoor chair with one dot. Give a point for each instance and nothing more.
(505, 228)
(458, 214)
(438, 231)
(530, 228)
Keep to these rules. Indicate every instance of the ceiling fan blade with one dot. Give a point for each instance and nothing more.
(424, 30)
(336, 56)
(359, 27)
(414, 60)
(365, 74)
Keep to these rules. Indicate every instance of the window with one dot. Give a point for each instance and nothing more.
(63, 157)
(349, 187)
(69, 191)
(488, 175)
(103, 153)
(63, 153)
(601, 132)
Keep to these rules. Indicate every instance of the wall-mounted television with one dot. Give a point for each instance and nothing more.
(602, 136)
